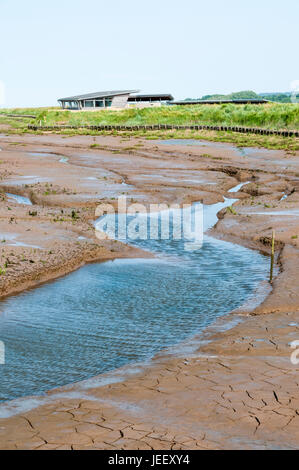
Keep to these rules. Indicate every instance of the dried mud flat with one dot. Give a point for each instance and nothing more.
(237, 387)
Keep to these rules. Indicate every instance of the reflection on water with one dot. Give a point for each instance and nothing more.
(62, 159)
(11, 239)
(106, 315)
(290, 212)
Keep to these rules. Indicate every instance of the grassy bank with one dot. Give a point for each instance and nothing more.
(271, 116)
(289, 144)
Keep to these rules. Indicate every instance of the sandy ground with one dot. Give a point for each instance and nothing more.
(236, 387)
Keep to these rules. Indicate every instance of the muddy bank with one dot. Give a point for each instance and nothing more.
(37, 268)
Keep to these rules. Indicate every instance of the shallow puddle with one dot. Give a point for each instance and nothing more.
(243, 151)
(11, 239)
(19, 199)
(22, 180)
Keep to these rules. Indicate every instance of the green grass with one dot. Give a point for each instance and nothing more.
(290, 144)
(271, 116)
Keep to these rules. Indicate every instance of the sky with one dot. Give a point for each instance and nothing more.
(55, 48)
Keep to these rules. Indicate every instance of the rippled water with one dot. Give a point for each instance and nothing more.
(114, 313)
(19, 199)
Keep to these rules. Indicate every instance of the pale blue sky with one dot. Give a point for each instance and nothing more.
(52, 49)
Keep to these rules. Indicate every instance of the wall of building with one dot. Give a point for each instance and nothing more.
(117, 102)
(120, 101)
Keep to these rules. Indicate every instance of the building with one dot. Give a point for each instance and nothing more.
(120, 99)
(243, 101)
(101, 99)
(116, 99)
(142, 101)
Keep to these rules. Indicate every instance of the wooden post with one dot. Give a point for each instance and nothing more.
(272, 256)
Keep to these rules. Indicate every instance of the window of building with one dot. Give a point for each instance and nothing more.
(100, 103)
(71, 105)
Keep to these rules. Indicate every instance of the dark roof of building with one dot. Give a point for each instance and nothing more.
(99, 94)
(156, 96)
(243, 101)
